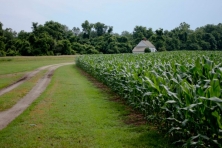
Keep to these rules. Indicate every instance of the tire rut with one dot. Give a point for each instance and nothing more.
(9, 115)
(27, 76)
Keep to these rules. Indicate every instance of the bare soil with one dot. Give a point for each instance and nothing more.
(7, 116)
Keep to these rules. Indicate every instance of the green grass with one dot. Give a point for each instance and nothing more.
(72, 112)
(9, 65)
(6, 80)
(13, 68)
(9, 99)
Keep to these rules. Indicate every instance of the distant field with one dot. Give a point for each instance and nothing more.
(10, 65)
(13, 68)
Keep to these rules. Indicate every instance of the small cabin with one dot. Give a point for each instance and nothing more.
(140, 48)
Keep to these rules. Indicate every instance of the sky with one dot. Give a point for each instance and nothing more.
(123, 15)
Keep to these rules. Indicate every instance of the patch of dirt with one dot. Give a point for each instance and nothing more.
(134, 117)
(50, 74)
(26, 77)
(13, 85)
(7, 116)
(23, 78)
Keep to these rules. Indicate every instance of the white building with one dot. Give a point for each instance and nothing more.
(140, 48)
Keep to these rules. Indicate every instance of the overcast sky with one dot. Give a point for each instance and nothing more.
(121, 14)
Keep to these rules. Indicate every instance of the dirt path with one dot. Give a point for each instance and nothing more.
(7, 116)
(25, 78)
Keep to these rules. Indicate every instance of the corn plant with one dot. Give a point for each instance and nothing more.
(179, 92)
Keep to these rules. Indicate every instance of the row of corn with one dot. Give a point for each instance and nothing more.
(179, 92)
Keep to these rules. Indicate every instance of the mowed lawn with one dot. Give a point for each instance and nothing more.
(72, 112)
(9, 99)
(14, 68)
(10, 65)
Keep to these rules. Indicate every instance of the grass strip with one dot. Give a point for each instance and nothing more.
(9, 65)
(9, 99)
(72, 112)
(6, 80)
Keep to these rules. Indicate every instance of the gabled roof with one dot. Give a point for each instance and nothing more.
(146, 43)
(142, 45)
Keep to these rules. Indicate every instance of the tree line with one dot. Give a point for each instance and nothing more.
(54, 38)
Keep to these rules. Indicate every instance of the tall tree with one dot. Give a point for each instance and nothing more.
(1, 29)
(76, 31)
(23, 35)
(110, 29)
(2, 44)
(34, 26)
(100, 28)
(140, 33)
(87, 28)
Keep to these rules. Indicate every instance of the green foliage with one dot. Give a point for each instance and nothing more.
(12, 52)
(25, 64)
(100, 28)
(76, 31)
(87, 27)
(72, 113)
(23, 46)
(1, 30)
(140, 33)
(23, 35)
(162, 49)
(2, 53)
(147, 50)
(2, 45)
(9, 34)
(179, 92)
(53, 38)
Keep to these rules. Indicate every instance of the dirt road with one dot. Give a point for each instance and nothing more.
(7, 116)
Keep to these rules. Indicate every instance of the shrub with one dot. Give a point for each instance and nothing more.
(147, 50)
(2, 53)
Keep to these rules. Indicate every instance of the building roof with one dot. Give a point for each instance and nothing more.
(148, 43)
(142, 45)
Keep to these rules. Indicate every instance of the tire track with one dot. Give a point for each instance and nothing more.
(9, 115)
(23, 79)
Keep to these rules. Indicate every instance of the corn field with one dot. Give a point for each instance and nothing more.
(179, 92)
